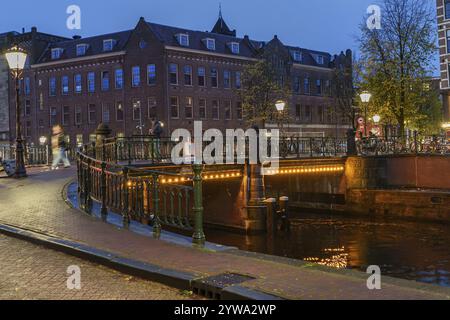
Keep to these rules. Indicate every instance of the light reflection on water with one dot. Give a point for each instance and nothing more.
(409, 250)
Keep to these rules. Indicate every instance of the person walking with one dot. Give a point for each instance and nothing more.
(59, 147)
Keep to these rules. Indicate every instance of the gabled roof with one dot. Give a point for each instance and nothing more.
(167, 34)
(222, 28)
(95, 45)
(309, 57)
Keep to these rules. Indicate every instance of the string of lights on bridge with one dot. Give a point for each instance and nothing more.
(226, 175)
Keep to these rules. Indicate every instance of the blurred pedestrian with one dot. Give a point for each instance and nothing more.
(59, 147)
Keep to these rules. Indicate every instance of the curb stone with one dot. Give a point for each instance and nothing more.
(169, 277)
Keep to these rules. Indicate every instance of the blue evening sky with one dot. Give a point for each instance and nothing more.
(326, 25)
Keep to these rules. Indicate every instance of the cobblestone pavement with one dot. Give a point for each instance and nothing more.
(36, 203)
(28, 271)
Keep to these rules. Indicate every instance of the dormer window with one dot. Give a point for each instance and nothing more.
(108, 45)
(320, 59)
(56, 53)
(183, 39)
(234, 47)
(81, 49)
(210, 44)
(297, 56)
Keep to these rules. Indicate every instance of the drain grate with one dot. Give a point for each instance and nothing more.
(212, 287)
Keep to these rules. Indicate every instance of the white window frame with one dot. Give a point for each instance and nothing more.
(320, 59)
(112, 41)
(180, 38)
(297, 55)
(59, 51)
(213, 42)
(82, 45)
(233, 46)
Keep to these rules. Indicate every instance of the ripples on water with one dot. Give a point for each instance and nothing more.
(409, 250)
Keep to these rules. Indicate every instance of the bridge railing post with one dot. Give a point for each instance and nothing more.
(125, 208)
(199, 236)
(156, 219)
(104, 210)
(88, 188)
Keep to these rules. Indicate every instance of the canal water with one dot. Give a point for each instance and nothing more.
(408, 250)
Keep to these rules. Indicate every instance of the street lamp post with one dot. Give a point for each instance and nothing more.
(365, 98)
(16, 58)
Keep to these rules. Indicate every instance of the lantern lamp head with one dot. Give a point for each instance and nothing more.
(280, 105)
(376, 118)
(365, 97)
(16, 58)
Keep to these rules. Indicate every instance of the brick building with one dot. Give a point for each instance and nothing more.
(124, 79)
(443, 20)
(34, 43)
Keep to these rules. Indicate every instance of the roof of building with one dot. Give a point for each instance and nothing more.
(221, 33)
(95, 45)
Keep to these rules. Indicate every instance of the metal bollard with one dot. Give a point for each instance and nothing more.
(271, 219)
(284, 213)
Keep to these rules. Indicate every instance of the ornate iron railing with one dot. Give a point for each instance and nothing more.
(140, 195)
(34, 155)
(415, 144)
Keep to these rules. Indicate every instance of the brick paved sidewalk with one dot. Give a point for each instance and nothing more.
(37, 204)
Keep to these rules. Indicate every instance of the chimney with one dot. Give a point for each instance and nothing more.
(23, 30)
(33, 29)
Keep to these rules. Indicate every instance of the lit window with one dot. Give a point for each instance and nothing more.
(183, 39)
(52, 86)
(151, 74)
(91, 81)
(81, 49)
(136, 76)
(78, 84)
(119, 78)
(105, 81)
(65, 85)
(108, 45)
(119, 111)
(447, 9)
(136, 109)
